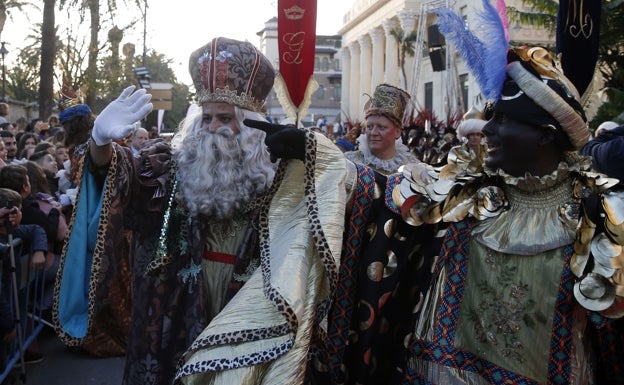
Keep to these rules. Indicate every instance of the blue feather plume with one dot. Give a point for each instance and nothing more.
(484, 50)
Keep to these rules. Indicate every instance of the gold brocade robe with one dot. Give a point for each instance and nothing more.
(264, 333)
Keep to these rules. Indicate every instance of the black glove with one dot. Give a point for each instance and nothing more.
(285, 142)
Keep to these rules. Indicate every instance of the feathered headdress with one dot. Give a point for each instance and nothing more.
(536, 90)
(484, 49)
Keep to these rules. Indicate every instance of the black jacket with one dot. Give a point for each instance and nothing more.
(607, 152)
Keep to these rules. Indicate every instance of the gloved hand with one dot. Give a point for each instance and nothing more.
(285, 142)
(117, 120)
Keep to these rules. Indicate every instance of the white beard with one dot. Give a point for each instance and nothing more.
(220, 173)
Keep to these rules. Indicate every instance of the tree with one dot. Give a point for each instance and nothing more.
(405, 47)
(7, 6)
(161, 72)
(6, 9)
(69, 56)
(24, 77)
(48, 54)
(66, 59)
(92, 7)
(611, 62)
(539, 13)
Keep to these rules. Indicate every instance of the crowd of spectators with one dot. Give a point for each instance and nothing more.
(35, 167)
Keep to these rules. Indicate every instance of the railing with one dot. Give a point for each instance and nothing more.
(23, 288)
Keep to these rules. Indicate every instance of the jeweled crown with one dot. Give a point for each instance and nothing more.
(389, 101)
(231, 71)
(68, 96)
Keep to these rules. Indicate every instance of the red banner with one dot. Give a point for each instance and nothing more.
(296, 33)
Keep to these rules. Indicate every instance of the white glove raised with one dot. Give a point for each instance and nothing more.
(117, 120)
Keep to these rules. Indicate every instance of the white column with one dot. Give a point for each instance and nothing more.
(365, 71)
(407, 17)
(377, 36)
(354, 91)
(391, 71)
(345, 98)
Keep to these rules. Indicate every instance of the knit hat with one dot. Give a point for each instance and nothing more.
(470, 126)
(388, 101)
(231, 71)
(537, 92)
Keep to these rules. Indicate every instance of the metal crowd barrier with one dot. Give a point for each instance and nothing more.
(23, 287)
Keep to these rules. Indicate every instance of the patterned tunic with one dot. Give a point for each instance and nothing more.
(133, 214)
(504, 305)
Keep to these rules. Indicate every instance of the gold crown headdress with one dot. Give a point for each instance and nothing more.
(70, 103)
(388, 101)
(231, 71)
(68, 96)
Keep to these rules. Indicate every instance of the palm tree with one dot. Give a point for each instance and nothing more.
(540, 13)
(543, 13)
(48, 54)
(611, 62)
(6, 6)
(93, 9)
(405, 47)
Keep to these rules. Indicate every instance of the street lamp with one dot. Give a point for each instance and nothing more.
(3, 51)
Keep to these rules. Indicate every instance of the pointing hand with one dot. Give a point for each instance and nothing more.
(285, 142)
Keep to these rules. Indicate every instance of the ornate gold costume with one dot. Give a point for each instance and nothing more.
(516, 262)
(253, 339)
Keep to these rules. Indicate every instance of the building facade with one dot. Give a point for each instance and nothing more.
(435, 76)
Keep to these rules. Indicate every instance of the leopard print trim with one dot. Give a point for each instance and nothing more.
(67, 339)
(324, 252)
(322, 247)
(96, 264)
(253, 334)
(316, 229)
(240, 361)
(241, 336)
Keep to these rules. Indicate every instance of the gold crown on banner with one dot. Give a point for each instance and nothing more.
(294, 13)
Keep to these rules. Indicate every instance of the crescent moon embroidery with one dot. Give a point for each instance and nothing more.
(365, 325)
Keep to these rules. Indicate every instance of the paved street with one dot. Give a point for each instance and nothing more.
(61, 367)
